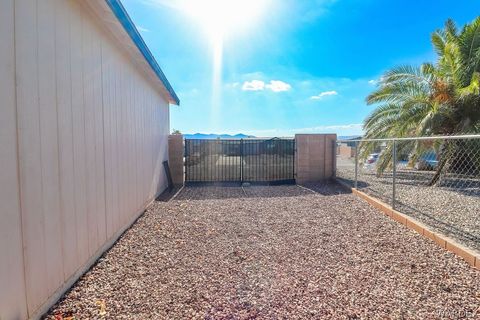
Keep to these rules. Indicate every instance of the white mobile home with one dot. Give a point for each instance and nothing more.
(84, 124)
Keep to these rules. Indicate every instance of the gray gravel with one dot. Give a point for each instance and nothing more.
(281, 252)
(453, 208)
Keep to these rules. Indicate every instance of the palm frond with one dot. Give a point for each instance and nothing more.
(470, 38)
(439, 98)
(438, 41)
(399, 93)
(472, 89)
(450, 29)
(406, 74)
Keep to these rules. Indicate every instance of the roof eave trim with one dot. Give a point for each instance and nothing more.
(119, 10)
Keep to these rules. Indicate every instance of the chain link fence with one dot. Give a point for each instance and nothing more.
(433, 179)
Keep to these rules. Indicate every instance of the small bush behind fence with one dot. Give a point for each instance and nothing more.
(434, 179)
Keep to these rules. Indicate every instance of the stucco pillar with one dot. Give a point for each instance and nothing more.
(175, 157)
(315, 157)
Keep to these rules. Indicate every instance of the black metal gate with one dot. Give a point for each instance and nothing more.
(241, 160)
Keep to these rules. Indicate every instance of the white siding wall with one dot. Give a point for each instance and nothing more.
(12, 282)
(83, 136)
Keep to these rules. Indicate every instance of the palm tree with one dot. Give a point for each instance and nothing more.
(433, 99)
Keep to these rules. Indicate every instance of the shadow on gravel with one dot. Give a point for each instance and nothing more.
(327, 188)
(236, 191)
(426, 214)
(200, 192)
(167, 195)
(443, 226)
(351, 183)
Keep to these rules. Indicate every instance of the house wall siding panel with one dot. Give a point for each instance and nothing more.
(12, 281)
(83, 133)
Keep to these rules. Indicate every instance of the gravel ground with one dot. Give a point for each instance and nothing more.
(452, 208)
(282, 252)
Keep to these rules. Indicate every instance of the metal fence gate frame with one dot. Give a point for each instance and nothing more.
(270, 161)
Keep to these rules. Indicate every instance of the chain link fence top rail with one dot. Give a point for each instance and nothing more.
(433, 179)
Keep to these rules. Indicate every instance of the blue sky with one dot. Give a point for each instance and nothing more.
(296, 67)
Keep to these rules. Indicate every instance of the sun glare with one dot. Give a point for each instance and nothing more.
(221, 18)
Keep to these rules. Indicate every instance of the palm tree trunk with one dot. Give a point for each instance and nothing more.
(443, 162)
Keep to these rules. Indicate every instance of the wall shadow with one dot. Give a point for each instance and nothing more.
(168, 194)
(237, 191)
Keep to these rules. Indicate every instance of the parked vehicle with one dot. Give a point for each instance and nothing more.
(427, 161)
(371, 160)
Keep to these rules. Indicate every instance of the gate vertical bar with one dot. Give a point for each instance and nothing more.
(205, 161)
(241, 160)
(356, 165)
(185, 171)
(257, 160)
(294, 148)
(228, 160)
(220, 164)
(394, 160)
(282, 157)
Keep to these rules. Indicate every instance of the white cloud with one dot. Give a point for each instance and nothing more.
(335, 127)
(324, 94)
(341, 129)
(232, 85)
(175, 4)
(310, 11)
(142, 29)
(259, 85)
(375, 82)
(278, 86)
(254, 85)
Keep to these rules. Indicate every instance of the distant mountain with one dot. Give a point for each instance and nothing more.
(216, 136)
(349, 137)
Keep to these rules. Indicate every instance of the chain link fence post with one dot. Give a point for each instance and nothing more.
(434, 179)
(394, 160)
